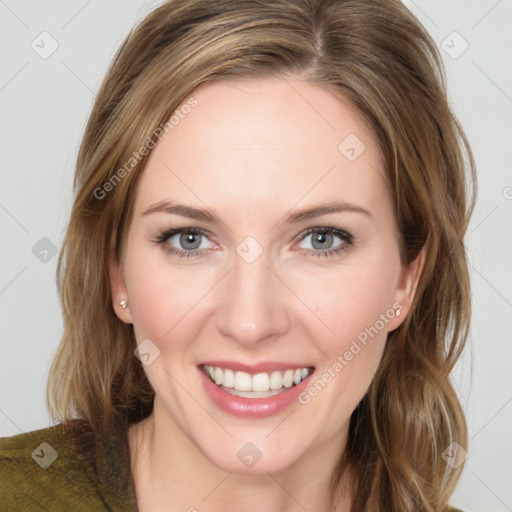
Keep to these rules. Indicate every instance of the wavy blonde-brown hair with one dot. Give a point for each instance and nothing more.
(376, 54)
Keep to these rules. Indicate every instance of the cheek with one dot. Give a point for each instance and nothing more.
(347, 301)
(161, 298)
(354, 304)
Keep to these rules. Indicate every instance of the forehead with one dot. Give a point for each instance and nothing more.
(249, 142)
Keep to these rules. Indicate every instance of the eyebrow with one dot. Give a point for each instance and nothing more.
(208, 215)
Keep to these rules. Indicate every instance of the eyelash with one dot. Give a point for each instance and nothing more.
(346, 237)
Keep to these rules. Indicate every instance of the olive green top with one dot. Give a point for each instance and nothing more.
(49, 469)
(52, 469)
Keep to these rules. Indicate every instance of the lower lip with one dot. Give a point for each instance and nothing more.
(252, 407)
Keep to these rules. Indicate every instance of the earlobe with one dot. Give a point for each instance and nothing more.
(118, 290)
(406, 289)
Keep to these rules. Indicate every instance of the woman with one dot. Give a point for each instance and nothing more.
(297, 355)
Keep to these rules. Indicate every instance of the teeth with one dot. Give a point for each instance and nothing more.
(260, 382)
(276, 380)
(243, 381)
(251, 394)
(228, 378)
(255, 385)
(288, 378)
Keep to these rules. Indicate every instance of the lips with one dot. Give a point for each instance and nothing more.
(264, 366)
(262, 391)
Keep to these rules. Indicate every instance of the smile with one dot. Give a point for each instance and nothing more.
(259, 385)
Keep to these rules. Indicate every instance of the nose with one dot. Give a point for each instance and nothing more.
(254, 303)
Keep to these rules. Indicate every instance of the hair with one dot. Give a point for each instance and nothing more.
(374, 53)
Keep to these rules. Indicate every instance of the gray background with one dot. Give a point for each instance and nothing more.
(44, 105)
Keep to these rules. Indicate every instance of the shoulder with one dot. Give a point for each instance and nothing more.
(42, 470)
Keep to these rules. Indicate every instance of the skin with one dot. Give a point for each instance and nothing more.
(252, 151)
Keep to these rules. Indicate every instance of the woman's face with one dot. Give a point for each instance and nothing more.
(254, 291)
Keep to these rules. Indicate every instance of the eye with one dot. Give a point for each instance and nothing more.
(188, 238)
(323, 240)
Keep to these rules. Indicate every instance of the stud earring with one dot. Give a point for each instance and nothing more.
(123, 304)
(398, 311)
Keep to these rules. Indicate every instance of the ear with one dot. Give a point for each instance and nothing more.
(118, 289)
(405, 290)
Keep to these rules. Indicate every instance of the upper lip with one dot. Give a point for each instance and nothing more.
(261, 367)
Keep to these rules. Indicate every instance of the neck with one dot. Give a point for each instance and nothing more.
(170, 472)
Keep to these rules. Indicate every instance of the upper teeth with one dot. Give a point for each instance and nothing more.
(242, 381)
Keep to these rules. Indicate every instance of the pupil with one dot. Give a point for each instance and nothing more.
(189, 239)
(320, 239)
